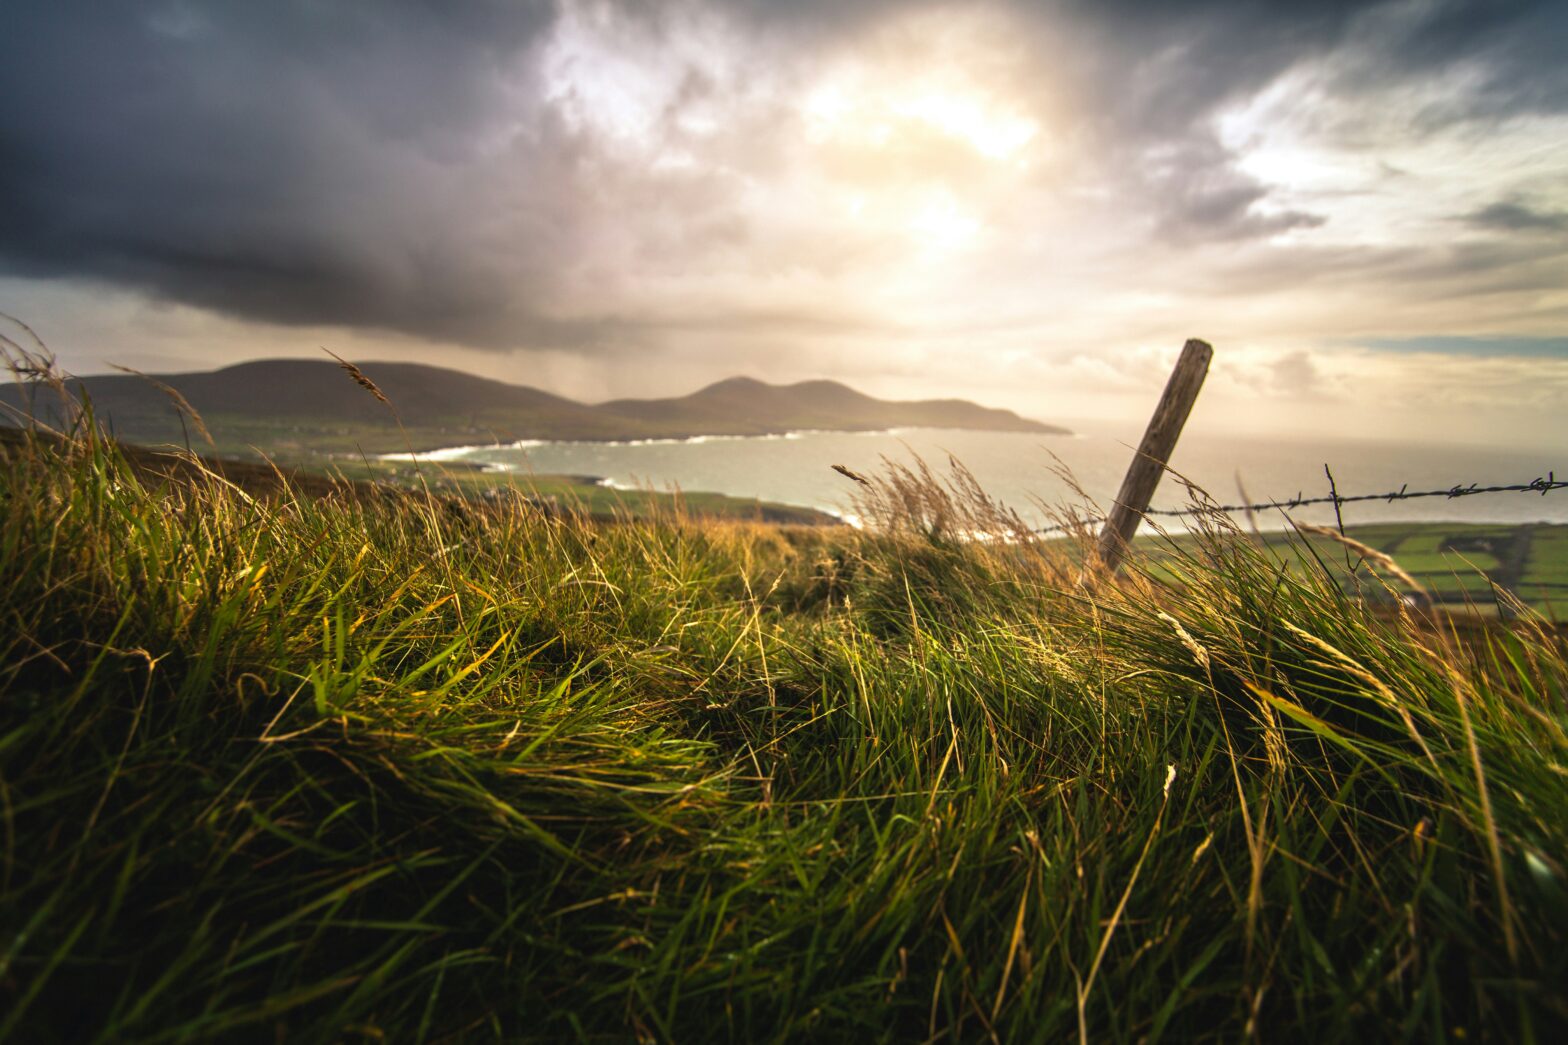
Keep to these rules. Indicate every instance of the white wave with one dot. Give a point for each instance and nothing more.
(445, 453)
(458, 453)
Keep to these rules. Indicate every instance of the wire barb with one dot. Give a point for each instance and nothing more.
(1541, 485)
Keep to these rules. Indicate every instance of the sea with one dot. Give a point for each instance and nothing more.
(1026, 471)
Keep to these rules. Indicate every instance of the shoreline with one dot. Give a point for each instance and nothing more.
(451, 453)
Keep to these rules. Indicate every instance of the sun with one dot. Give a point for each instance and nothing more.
(942, 225)
(916, 153)
(858, 108)
(989, 129)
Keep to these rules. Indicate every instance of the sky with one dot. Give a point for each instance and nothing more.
(1363, 206)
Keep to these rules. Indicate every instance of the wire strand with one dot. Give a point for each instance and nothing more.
(1541, 485)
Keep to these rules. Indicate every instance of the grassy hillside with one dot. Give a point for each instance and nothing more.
(1471, 568)
(336, 768)
(293, 407)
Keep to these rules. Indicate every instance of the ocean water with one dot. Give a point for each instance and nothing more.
(1018, 469)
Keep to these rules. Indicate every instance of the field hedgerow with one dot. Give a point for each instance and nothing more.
(391, 767)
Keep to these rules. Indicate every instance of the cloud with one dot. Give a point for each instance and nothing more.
(1510, 52)
(1295, 374)
(1204, 196)
(1493, 347)
(1513, 216)
(289, 161)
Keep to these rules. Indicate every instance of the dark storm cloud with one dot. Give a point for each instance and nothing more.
(1160, 67)
(1182, 57)
(398, 165)
(1513, 46)
(1513, 216)
(290, 161)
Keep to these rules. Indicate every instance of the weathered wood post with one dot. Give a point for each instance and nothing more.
(1148, 465)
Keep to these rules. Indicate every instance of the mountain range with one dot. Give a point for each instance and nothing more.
(278, 403)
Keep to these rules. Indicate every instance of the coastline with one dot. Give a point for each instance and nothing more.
(456, 452)
(457, 455)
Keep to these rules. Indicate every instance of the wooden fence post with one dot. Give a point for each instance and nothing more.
(1148, 465)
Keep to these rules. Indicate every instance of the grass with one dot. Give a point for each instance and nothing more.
(1454, 565)
(324, 768)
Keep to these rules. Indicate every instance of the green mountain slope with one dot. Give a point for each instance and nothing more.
(743, 405)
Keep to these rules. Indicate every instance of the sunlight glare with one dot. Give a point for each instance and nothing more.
(994, 133)
(866, 109)
(941, 224)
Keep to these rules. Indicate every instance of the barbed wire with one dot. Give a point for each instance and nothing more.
(1540, 485)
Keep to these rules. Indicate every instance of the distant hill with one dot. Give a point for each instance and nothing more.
(743, 405)
(309, 404)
